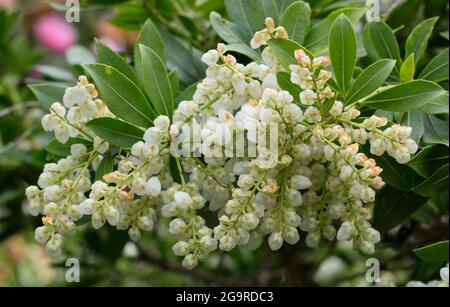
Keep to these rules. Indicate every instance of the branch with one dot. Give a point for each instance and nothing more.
(196, 273)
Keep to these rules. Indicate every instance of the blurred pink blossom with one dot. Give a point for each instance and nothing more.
(54, 32)
(115, 45)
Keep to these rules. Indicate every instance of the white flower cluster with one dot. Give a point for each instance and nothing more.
(82, 105)
(315, 179)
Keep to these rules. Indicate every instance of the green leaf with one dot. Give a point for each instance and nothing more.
(417, 41)
(227, 30)
(248, 14)
(414, 119)
(105, 167)
(55, 73)
(437, 252)
(284, 81)
(438, 105)
(380, 43)
(156, 81)
(116, 132)
(435, 184)
(107, 56)
(407, 70)
(284, 50)
(393, 207)
(437, 69)
(47, 94)
(79, 55)
(370, 80)
(296, 20)
(174, 79)
(405, 97)
(185, 60)
(436, 130)
(63, 150)
(317, 39)
(429, 160)
(121, 95)
(150, 37)
(399, 176)
(245, 50)
(342, 47)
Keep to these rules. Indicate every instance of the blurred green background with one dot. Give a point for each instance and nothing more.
(37, 44)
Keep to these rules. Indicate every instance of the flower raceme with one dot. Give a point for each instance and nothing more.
(319, 182)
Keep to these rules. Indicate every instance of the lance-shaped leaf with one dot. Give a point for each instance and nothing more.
(405, 97)
(380, 43)
(116, 132)
(436, 130)
(393, 207)
(156, 81)
(342, 47)
(407, 70)
(437, 252)
(418, 39)
(121, 95)
(317, 39)
(437, 69)
(150, 37)
(107, 56)
(284, 50)
(435, 184)
(429, 160)
(370, 80)
(438, 105)
(296, 20)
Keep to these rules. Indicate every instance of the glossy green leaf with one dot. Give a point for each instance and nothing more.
(414, 119)
(435, 184)
(370, 80)
(437, 69)
(407, 70)
(436, 252)
(296, 20)
(405, 97)
(229, 31)
(417, 40)
(317, 39)
(380, 43)
(436, 130)
(429, 160)
(284, 50)
(121, 95)
(438, 105)
(116, 132)
(156, 81)
(150, 37)
(342, 47)
(245, 50)
(107, 56)
(174, 79)
(399, 176)
(393, 207)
